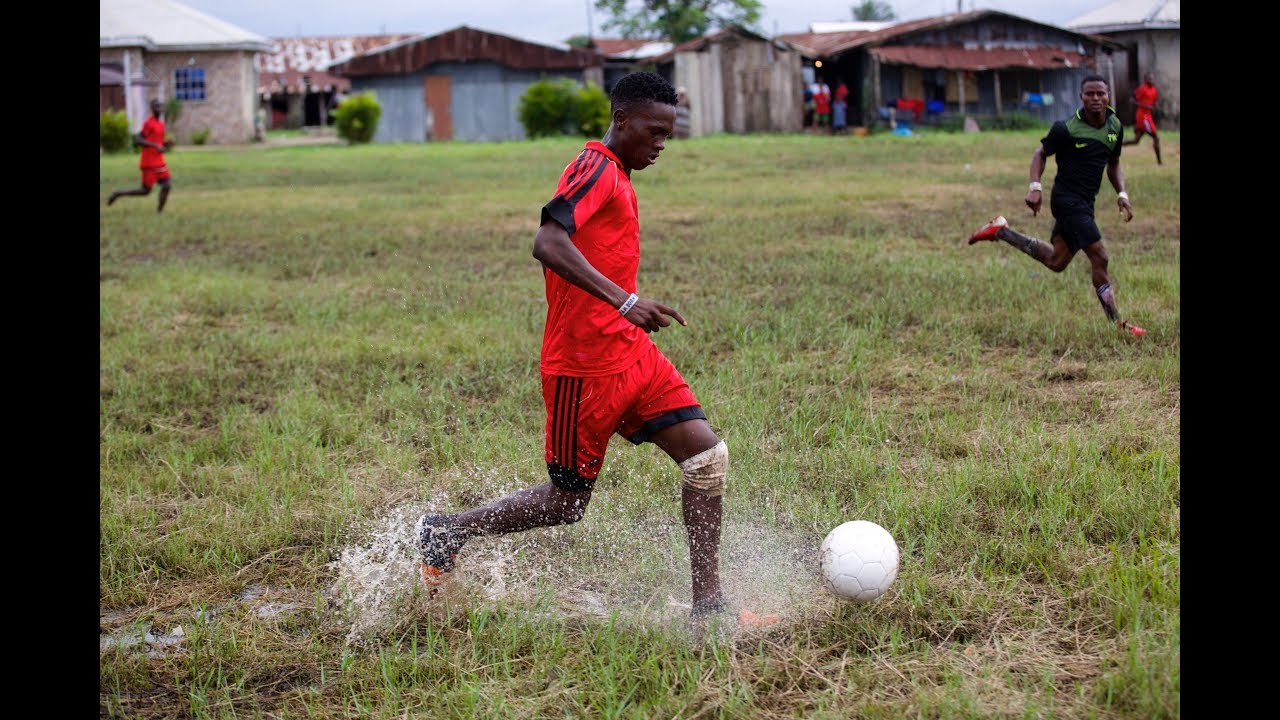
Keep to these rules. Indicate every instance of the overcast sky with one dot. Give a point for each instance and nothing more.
(557, 20)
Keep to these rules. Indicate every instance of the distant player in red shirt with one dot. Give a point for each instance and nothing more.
(1144, 96)
(602, 374)
(151, 139)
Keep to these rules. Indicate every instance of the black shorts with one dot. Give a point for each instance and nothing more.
(1076, 226)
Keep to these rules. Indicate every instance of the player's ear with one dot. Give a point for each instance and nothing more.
(619, 117)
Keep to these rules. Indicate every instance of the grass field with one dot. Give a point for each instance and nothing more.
(313, 345)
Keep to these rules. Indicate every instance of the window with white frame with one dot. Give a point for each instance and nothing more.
(188, 83)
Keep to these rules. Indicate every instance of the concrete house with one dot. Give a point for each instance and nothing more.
(1151, 32)
(164, 49)
(462, 84)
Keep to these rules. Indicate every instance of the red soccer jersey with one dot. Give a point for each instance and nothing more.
(153, 130)
(1145, 94)
(595, 203)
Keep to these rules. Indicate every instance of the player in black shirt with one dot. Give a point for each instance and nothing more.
(1085, 143)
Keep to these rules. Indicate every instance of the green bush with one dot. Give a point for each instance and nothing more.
(172, 111)
(561, 106)
(113, 133)
(201, 136)
(547, 108)
(357, 117)
(591, 110)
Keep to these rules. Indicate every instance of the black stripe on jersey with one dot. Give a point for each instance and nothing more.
(561, 206)
(577, 168)
(564, 429)
(595, 175)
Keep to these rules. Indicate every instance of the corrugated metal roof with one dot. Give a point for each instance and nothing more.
(630, 48)
(700, 43)
(851, 25)
(957, 57)
(292, 59)
(830, 44)
(1131, 15)
(465, 44)
(165, 25)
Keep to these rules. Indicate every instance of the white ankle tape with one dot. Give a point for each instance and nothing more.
(705, 472)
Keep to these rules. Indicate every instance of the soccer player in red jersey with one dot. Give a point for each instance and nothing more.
(1144, 96)
(602, 373)
(151, 139)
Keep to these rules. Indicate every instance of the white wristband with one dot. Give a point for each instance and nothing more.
(1035, 186)
(1122, 194)
(627, 305)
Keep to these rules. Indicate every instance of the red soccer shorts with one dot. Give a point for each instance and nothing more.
(1143, 119)
(153, 175)
(583, 413)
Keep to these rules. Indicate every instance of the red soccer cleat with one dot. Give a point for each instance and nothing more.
(432, 579)
(1132, 329)
(988, 231)
(748, 620)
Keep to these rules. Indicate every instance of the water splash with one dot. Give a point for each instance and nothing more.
(624, 560)
(376, 575)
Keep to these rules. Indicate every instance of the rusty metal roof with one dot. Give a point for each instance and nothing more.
(466, 44)
(292, 59)
(701, 43)
(958, 57)
(831, 44)
(620, 46)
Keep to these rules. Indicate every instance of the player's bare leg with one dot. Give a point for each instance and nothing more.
(117, 194)
(1138, 132)
(702, 515)
(543, 505)
(701, 511)
(164, 195)
(1055, 256)
(442, 536)
(1097, 254)
(704, 460)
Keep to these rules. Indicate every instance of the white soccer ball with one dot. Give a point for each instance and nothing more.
(859, 560)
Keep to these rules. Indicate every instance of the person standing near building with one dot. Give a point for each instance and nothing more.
(839, 108)
(821, 104)
(151, 160)
(1144, 123)
(682, 113)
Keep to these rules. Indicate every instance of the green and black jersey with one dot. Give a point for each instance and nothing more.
(1083, 153)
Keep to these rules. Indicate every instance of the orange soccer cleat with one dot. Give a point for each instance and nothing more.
(1132, 329)
(440, 543)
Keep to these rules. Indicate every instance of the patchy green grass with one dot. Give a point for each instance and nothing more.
(313, 345)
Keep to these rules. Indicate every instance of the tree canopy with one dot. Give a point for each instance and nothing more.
(873, 10)
(677, 20)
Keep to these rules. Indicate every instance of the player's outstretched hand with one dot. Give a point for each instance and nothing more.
(651, 316)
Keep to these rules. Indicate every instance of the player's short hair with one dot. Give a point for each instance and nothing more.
(639, 88)
(1094, 77)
